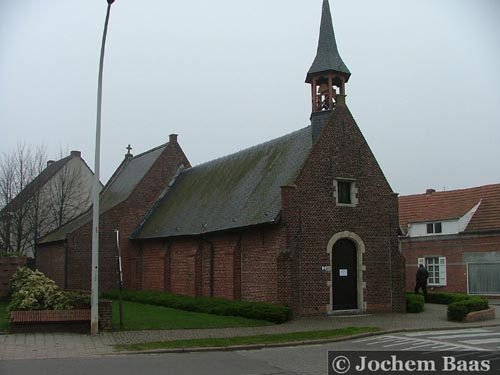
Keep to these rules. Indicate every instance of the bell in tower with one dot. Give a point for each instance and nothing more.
(328, 73)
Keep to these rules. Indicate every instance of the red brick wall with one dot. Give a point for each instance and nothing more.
(52, 262)
(182, 266)
(312, 218)
(8, 267)
(233, 265)
(153, 261)
(259, 264)
(452, 247)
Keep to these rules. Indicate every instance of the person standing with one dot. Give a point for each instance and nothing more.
(421, 278)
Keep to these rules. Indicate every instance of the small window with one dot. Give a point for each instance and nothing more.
(434, 228)
(345, 192)
(437, 228)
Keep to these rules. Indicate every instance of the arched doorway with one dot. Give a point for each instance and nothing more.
(346, 251)
(344, 275)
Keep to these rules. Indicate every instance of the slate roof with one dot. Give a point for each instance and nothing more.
(117, 190)
(238, 190)
(454, 204)
(327, 56)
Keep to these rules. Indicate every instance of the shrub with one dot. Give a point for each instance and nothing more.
(217, 306)
(445, 298)
(32, 290)
(459, 305)
(458, 310)
(414, 303)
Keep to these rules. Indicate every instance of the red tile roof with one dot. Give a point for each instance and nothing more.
(453, 204)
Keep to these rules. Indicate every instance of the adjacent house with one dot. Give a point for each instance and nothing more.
(456, 234)
(61, 192)
(306, 219)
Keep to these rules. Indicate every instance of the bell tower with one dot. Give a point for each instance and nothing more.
(328, 73)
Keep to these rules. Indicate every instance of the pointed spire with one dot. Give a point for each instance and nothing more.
(327, 57)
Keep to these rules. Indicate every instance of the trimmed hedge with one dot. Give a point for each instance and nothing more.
(445, 298)
(459, 305)
(414, 303)
(217, 306)
(458, 310)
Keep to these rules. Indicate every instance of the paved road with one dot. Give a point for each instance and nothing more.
(303, 360)
(460, 339)
(216, 363)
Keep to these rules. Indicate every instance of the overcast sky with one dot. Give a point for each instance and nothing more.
(226, 75)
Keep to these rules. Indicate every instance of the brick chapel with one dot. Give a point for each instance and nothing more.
(307, 219)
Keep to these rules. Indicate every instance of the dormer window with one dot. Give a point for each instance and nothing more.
(434, 228)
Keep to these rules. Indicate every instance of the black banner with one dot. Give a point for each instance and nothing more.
(413, 362)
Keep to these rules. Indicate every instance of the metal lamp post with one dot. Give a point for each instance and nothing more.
(94, 313)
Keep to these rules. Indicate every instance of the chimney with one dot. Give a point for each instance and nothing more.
(49, 162)
(430, 191)
(172, 138)
(76, 154)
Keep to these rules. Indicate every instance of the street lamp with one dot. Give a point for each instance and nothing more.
(94, 312)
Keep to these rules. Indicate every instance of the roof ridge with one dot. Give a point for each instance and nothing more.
(242, 151)
(151, 150)
(474, 188)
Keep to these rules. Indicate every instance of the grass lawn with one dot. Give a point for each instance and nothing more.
(261, 339)
(4, 317)
(138, 316)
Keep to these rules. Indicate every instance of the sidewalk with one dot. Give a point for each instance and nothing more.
(67, 345)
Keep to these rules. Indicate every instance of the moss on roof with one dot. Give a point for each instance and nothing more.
(238, 190)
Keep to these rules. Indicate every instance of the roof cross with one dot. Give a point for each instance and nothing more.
(129, 148)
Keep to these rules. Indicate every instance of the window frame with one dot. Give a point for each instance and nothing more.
(353, 191)
(435, 227)
(437, 261)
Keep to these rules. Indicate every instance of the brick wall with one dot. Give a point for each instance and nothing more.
(232, 265)
(452, 247)
(153, 261)
(8, 267)
(259, 264)
(60, 320)
(313, 217)
(52, 262)
(183, 267)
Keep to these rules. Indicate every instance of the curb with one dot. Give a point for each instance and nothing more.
(287, 344)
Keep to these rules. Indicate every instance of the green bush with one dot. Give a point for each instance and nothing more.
(414, 303)
(217, 306)
(445, 298)
(458, 310)
(459, 305)
(32, 290)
